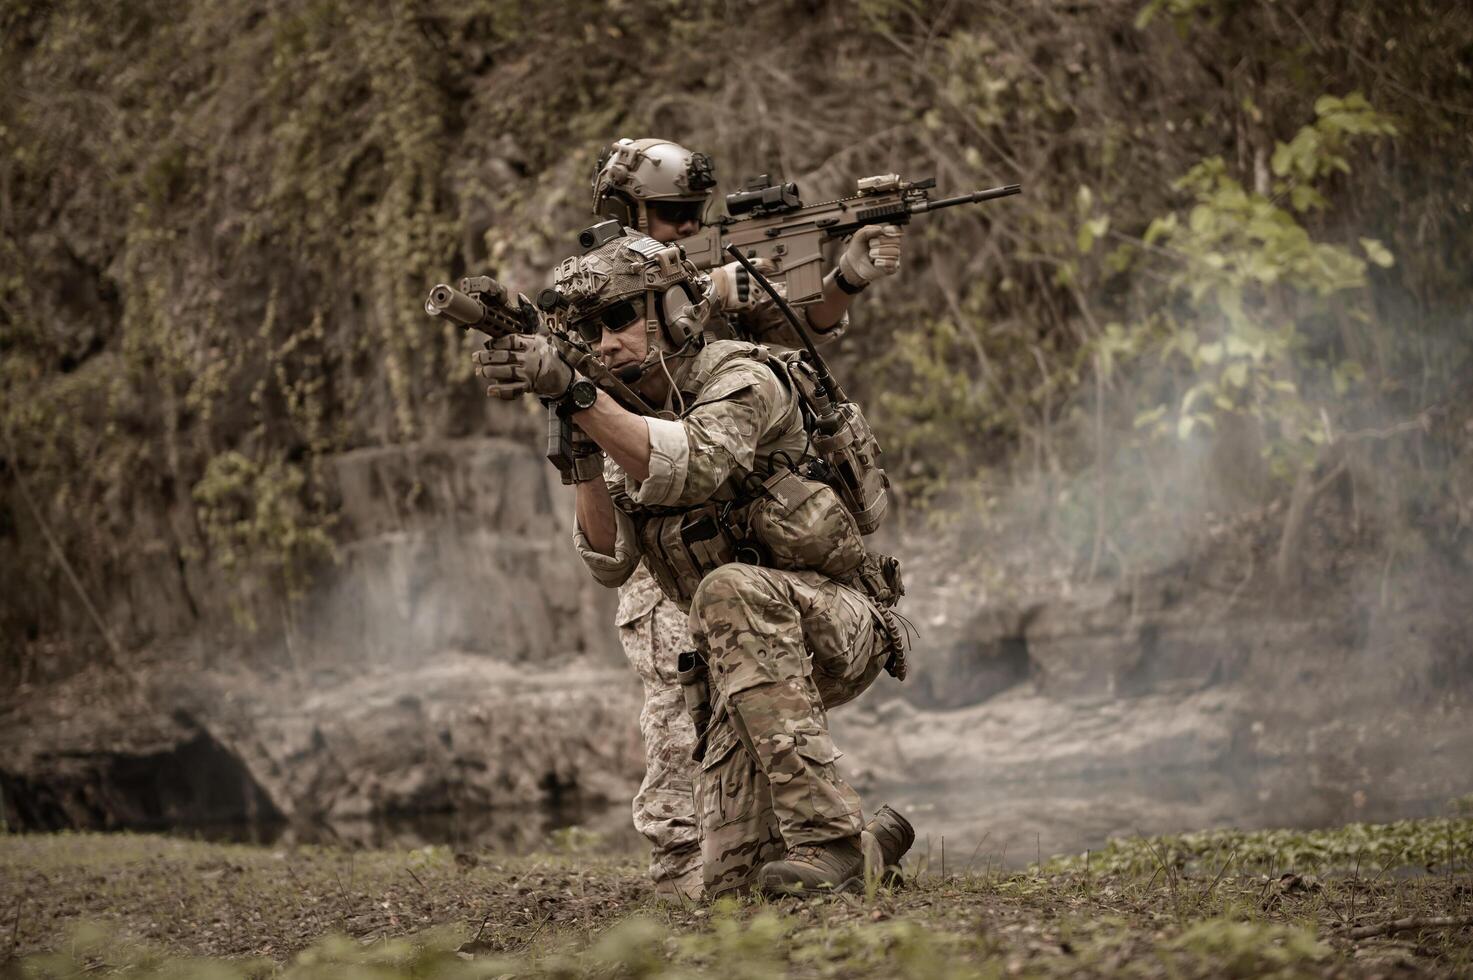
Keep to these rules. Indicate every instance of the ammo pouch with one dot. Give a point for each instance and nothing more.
(800, 525)
(877, 576)
(682, 548)
(790, 522)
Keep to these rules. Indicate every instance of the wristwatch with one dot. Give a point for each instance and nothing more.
(581, 394)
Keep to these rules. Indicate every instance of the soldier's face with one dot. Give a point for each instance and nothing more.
(623, 348)
(673, 220)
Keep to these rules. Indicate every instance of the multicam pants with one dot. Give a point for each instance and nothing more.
(783, 647)
(654, 631)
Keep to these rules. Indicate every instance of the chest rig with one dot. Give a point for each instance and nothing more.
(810, 496)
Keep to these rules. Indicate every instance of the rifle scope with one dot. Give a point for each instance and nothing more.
(762, 196)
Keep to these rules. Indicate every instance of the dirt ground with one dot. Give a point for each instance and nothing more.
(1395, 900)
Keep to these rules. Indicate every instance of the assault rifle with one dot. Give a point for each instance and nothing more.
(481, 303)
(769, 221)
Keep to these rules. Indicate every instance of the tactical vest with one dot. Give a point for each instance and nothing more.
(776, 514)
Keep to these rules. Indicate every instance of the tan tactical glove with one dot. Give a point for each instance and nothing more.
(519, 363)
(873, 252)
(735, 290)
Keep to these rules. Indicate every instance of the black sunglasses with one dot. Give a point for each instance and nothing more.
(677, 212)
(621, 316)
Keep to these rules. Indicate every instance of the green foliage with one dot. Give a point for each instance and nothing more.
(1245, 283)
(544, 915)
(1319, 151)
(1182, 12)
(1445, 844)
(252, 516)
(575, 840)
(427, 956)
(743, 947)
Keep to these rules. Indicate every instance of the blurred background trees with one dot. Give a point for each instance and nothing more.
(1238, 278)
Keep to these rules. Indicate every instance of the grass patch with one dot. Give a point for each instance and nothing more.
(1433, 845)
(154, 907)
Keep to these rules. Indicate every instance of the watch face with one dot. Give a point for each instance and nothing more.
(584, 394)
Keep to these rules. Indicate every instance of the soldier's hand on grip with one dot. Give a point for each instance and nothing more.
(873, 252)
(519, 363)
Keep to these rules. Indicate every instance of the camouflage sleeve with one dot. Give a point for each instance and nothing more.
(764, 323)
(692, 457)
(611, 570)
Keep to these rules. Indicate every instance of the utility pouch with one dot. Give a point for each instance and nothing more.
(802, 525)
(851, 455)
(848, 455)
(681, 549)
(695, 686)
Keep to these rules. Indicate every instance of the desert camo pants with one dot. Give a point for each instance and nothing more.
(653, 632)
(783, 647)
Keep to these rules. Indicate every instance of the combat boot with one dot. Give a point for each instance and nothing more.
(894, 834)
(831, 866)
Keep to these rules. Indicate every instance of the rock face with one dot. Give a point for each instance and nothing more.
(458, 733)
(461, 732)
(457, 656)
(1357, 636)
(94, 754)
(456, 545)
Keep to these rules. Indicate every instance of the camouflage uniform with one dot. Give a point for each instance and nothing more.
(653, 630)
(782, 645)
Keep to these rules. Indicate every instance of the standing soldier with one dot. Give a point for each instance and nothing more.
(797, 626)
(663, 189)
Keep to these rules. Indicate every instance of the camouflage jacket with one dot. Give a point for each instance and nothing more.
(737, 414)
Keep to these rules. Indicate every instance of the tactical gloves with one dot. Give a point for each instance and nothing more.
(873, 252)
(735, 290)
(519, 363)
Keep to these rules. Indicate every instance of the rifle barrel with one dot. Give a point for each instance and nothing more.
(1008, 190)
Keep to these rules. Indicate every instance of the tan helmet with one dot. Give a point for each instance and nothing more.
(631, 277)
(633, 173)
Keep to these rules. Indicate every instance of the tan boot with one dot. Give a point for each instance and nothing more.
(894, 835)
(830, 866)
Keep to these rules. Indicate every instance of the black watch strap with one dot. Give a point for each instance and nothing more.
(846, 285)
(581, 394)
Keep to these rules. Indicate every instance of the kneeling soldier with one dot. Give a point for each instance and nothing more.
(711, 489)
(663, 189)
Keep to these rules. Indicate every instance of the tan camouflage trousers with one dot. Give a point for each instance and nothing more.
(783, 647)
(653, 632)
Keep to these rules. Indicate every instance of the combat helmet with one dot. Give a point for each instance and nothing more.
(623, 277)
(633, 174)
